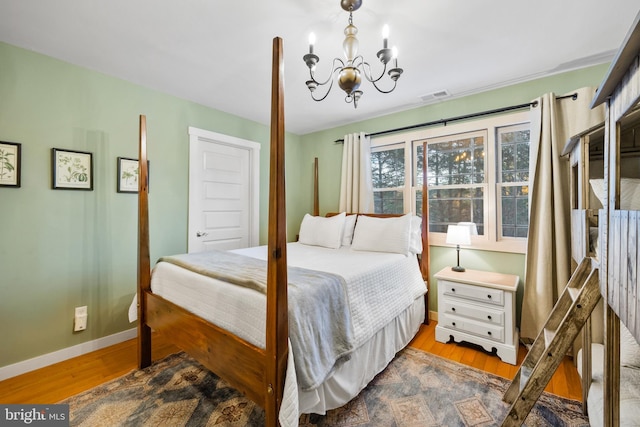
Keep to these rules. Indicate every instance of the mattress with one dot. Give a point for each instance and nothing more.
(385, 297)
(629, 390)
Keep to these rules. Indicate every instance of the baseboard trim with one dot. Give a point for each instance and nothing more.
(433, 315)
(64, 354)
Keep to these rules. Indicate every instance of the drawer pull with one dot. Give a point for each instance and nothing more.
(453, 289)
(453, 323)
(489, 317)
(489, 332)
(489, 296)
(453, 309)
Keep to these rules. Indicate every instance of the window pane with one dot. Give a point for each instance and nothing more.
(419, 165)
(456, 162)
(515, 155)
(388, 202)
(453, 205)
(387, 168)
(515, 211)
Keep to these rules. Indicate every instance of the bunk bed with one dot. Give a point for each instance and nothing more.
(606, 164)
(264, 371)
(586, 157)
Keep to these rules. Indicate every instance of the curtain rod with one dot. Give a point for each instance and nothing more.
(573, 96)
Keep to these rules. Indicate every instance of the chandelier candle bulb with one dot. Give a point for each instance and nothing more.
(312, 41)
(394, 55)
(385, 36)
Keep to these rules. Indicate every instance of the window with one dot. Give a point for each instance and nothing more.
(389, 177)
(457, 180)
(476, 172)
(513, 180)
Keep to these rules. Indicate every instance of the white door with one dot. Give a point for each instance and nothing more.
(223, 191)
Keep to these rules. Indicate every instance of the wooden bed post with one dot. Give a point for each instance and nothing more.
(277, 308)
(144, 263)
(316, 196)
(424, 264)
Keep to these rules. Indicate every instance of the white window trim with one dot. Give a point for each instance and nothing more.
(490, 240)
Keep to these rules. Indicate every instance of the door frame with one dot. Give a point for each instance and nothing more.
(200, 135)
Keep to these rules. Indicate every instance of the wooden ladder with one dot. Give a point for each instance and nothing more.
(567, 318)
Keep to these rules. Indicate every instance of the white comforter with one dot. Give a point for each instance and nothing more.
(380, 286)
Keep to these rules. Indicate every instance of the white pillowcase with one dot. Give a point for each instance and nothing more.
(629, 192)
(382, 234)
(347, 232)
(597, 186)
(321, 231)
(415, 241)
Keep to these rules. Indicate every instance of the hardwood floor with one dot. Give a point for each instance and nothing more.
(565, 381)
(61, 380)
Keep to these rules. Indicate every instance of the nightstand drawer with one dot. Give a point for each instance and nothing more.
(484, 314)
(485, 330)
(476, 293)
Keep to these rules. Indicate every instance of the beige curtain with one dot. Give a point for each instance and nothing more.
(548, 259)
(356, 189)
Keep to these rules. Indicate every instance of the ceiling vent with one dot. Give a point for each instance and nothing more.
(441, 94)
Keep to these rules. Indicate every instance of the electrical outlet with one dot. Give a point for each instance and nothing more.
(80, 319)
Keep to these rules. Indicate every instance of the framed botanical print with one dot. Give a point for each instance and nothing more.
(10, 158)
(71, 170)
(128, 173)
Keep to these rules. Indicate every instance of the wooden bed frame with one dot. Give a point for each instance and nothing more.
(258, 373)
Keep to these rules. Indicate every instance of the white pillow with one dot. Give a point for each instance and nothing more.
(321, 231)
(629, 192)
(382, 234)
(597, 185)
(629, 348)
(347, 232)
(415, 241)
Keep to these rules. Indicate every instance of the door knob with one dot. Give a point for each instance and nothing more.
(201, 233)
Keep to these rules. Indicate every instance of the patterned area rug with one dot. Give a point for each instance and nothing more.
(416, 389)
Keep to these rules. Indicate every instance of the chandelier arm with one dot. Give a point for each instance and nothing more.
(336, 68)
(325, 95)
(366, 67)
(395, 82)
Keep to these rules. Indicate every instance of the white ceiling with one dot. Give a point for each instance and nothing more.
(219, 53)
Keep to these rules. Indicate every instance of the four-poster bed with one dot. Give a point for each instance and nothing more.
(262, 368)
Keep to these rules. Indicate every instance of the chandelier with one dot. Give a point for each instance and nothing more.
(349, 73)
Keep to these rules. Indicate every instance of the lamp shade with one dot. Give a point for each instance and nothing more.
(459, 235)
(473, 228)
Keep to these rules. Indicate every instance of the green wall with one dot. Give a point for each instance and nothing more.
(60, 249)
(322, 145)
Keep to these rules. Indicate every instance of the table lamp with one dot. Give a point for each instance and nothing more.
(458, 235)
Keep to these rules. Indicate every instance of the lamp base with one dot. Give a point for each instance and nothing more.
(458, 269)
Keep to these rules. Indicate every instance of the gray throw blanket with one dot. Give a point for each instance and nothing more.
(320, 326)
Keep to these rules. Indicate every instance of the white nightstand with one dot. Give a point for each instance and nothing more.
(479, 307)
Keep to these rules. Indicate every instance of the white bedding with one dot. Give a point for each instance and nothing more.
(629, 200)
(385, 296)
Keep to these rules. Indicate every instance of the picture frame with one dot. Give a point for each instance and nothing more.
(10, 161)
(128, 173)
(71, 170)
